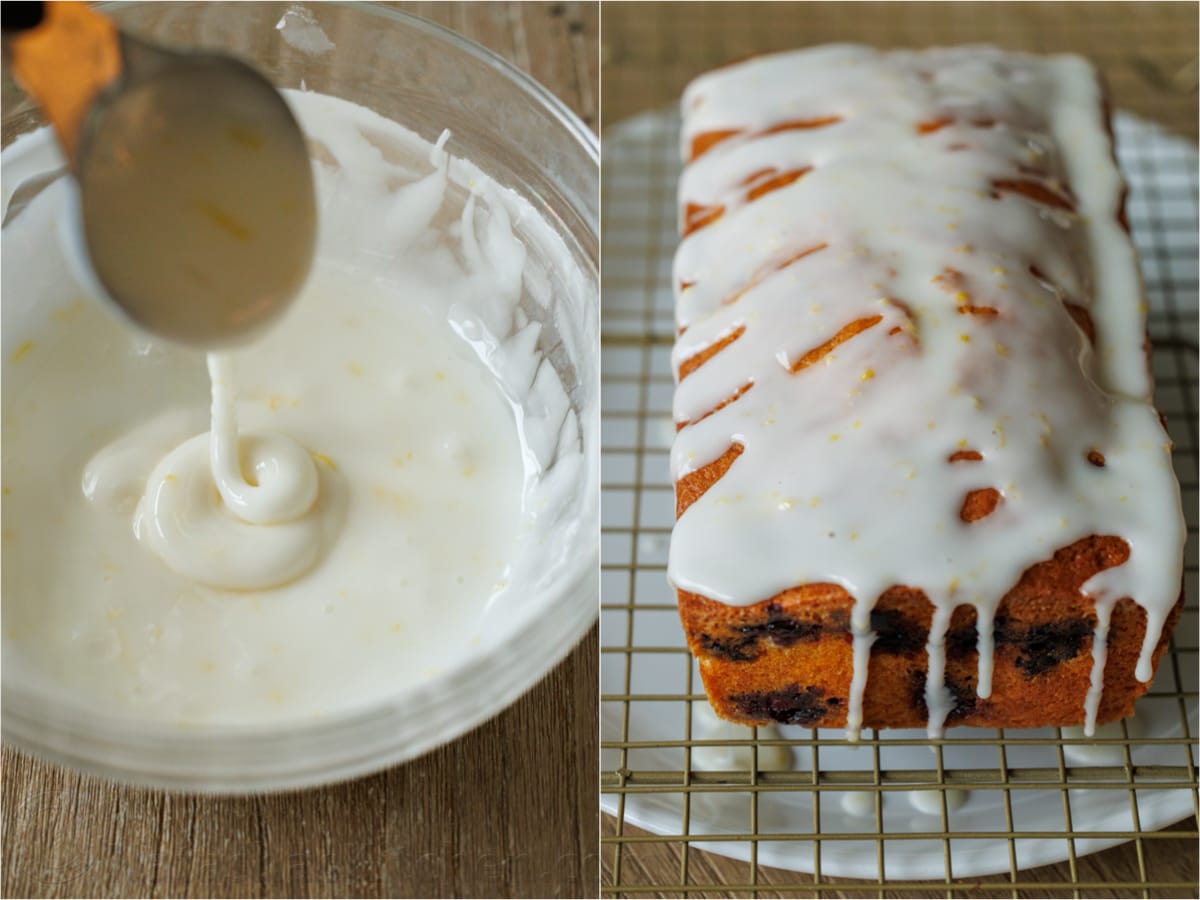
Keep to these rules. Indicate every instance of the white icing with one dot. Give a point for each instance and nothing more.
(386, 495)
(844, 476)
(863, 638)
(938, 699)
(706, 726)
(1101, 754)
(1091, 704)
(930, 802)
(860, 803)
(247, 534)
(284, 484)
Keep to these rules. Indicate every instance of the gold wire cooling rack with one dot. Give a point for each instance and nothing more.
(833, 822)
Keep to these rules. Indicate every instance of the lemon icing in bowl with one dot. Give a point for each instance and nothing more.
(408, 404)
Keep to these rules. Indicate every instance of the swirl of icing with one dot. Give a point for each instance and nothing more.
(239, 514)
(284, 485)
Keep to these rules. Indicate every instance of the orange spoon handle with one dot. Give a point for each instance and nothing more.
(65, 62)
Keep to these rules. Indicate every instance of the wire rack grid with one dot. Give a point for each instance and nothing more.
(1034, 795)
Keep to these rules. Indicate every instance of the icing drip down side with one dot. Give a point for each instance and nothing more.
(909, 310)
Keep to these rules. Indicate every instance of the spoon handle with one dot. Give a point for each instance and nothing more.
(65, 61)
(18, 17)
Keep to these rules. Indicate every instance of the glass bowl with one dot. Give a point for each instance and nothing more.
(428, 79)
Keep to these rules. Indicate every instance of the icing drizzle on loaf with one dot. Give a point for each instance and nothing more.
(911, 343)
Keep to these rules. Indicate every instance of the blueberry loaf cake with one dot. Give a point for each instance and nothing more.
(920, 480)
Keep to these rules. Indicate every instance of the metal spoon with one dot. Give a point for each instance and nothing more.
(196, 191)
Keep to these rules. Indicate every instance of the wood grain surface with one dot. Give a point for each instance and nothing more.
(1145, 50)
(1147, 53)
(508, 810)
(1172, 860)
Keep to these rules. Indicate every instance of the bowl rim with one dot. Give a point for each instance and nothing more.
(367, 739)
(564, 114)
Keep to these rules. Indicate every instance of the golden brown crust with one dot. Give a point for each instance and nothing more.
(979, 504)
(691, 487)
(706, 140)
(790, 658)
(692, 363)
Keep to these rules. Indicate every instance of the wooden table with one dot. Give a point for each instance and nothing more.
(1146, 50)
(1147, 54)
(509, 809)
